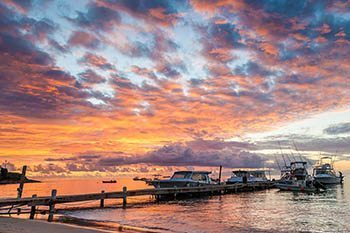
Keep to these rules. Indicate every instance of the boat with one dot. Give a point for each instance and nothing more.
(244, 176)
(325, 173)
(285, 173)
(109, 181)
(298, 179)
(184, 179)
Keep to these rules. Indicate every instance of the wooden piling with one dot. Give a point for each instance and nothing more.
(124, 197)
(102, 201)
(220, 174)
(52, 205)
(32, 209)
(21, 186)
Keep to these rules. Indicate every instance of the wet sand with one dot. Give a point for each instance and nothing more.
(15, 225)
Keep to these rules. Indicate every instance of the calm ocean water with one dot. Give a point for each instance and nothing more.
(263, 211)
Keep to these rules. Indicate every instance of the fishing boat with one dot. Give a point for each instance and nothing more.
(298, 179)
(325, 173)
(244, 176)
(285, 172)
(109, 181)
(184, 179)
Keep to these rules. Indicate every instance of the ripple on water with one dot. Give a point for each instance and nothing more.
(264, 211)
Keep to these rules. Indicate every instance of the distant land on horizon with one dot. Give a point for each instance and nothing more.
(13, 177)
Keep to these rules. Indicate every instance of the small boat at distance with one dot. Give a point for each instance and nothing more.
(109, 181)
(325, 173)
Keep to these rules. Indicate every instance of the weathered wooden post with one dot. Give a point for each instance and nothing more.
(52, 205)
(102, 201)
(21, 186)
(33, 208)
(124, 197)
(220, 174)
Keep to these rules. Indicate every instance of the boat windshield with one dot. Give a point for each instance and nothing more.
(181, 175)
(326, 172)
(199, 177)
(260, 174)
(239, 173)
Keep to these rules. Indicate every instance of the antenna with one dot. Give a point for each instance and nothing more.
(292, 154)
(279, 143)
(278, 164)
(285, 164)
(335, 156)
(296, 148)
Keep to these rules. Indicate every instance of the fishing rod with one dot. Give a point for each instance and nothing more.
(296, 148)
(288, 158)
(292, 154)
(335, 156)
(278, 164)
(285, 164)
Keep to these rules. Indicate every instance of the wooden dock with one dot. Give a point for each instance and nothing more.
(51, 201)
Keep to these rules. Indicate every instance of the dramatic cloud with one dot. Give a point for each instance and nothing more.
(97, 18)
(81, 38)
(31, 85)
(167, 82)
(202, 153)
(338, 129)
(96, 61)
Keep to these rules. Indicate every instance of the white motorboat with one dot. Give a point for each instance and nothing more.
(325, 173)
(297, 179)
(184, 179)
(240, 176)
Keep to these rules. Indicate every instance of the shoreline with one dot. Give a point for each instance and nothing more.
(5, 182)
(104, 225)
(64, 224)
(18, 225)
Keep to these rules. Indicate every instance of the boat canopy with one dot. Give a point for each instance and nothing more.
(192, 172)
(256, 173)
(188, 174)
(298, 162)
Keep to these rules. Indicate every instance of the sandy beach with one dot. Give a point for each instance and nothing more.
(15, 225)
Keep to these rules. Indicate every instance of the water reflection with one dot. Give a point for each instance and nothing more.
(264, 211)
(69, 186)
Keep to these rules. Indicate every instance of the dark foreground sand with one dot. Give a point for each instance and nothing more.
(15, 225)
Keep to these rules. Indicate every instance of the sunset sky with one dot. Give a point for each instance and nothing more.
(148, 86)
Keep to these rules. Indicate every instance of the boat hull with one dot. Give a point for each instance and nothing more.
(240, 180)
(295, 187)
(172, 184)
(328, 179)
